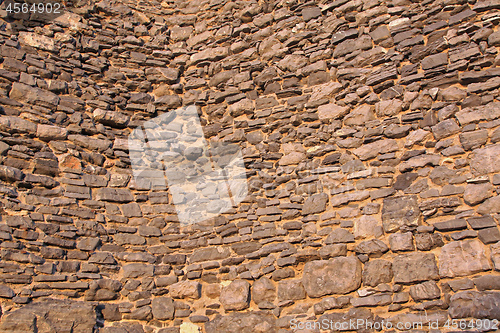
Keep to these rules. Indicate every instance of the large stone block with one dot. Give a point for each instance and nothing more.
(163, 308)
(32, 95)
(332, 111)
(10, 174)
(490, 206)
(372, 247)
(249, 322)
(414, 267)
(50, 315)
(89, 142)
(462, 258)
(291, 290)
(5, 291)
(340, 275)
(484, 112)
(485, 160)
(113, 195)
(209, 254)
(263, 290)
(17, 125)
(110, 118)
(372, 149)
(37, 41)
(186, 289)
(210, 54)
(376, 272)
(235, 296)
(315, 204)
(48, 132)
(136, 270)
(475, 304)
(129, 239)
(400, 211)
(445, 128)
(426, 290)
(477, 193)
(367, 226)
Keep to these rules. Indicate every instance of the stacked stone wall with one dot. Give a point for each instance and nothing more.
(370, 132)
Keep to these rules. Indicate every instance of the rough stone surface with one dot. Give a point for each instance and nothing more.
(477, 193)
(186, 289)
(400, 211)
(376, 272)
(51, 315)
(369, 133)
(335, 276)
(263, 290)
(236, 295)
(495, 255)
(485, 160)
(249, 322)
(424, 291)
(415, 267)
(462, 258)
(475, 304)
(163, 308)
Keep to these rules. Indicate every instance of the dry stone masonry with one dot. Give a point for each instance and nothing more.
(370, 132)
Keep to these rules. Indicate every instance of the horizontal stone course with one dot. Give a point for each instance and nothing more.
(369, 133)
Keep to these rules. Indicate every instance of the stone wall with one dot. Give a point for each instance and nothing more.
(370, 132)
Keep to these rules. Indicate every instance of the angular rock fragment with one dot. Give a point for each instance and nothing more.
(424, 291)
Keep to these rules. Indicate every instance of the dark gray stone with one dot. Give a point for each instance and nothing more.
(481, 222)
(489, 235)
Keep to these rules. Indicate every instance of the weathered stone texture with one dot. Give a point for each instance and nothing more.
(51, 315)
(475, 304)
(415, 267)
(369, 133)
(335, 276)
(462, 258)
(236, 295)
(400, 212)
